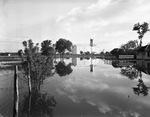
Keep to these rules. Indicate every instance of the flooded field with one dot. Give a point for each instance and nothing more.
(81, 88)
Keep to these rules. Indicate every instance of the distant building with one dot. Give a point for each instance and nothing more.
(143, 52)
(74, 49)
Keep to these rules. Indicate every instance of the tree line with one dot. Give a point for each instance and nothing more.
(130, 48)
(40, 62)
(47, 48)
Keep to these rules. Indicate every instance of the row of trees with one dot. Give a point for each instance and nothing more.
(126, 49)
(39, 62)
(86, 53)
(131, 46)
(47, 48)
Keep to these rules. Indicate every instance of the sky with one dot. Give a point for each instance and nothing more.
(108, 22)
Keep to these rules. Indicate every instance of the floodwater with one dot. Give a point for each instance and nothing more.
(83, 88)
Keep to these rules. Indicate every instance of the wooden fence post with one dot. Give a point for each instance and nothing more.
(29, 78)
(30, 88)
(16, 92)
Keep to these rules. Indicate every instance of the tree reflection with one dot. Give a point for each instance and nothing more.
(129, 72)
(133, 70)
(132, 73)
(38, 104)
(115, 64)
(141, 88)
(62, 69)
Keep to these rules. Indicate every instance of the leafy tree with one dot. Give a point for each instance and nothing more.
(87, 53)
(132, 44)
(116, 52)
(115, 64)
(30, 44)
(46, 48)
(81, 52)
(62, 45)
(62, 69)
(39, 66)
(126, 49)
(20, 53)
(107, 53)
(30, 49)
(45, 44)
(141, 30)
(48, 51)
(24, 44)
(69, 45)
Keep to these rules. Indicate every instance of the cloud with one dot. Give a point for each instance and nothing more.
(89, 84)
(103, 11)
(108, 22)
(107, 19)
(103, 108)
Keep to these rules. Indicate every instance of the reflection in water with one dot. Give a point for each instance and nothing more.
(141, 88)
(133, 70)
(91, 68)
(62, 69)
(130, 72)
(89, 60)
(6, 92)
(74, 61)
(38, 104)
(102, 93)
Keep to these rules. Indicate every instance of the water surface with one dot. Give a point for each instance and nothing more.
(84, 88)
(97, 91)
